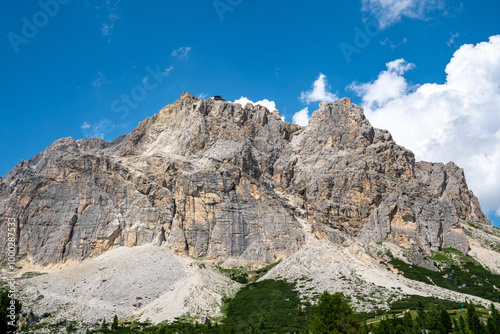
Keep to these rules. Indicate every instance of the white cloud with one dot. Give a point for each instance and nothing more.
(388, 12)
(107, 29)
(111, 7)
(452, 38)
(393, 46)
(301, 117)
(167, 71)
(182, 53)
(320, 92)
(497, 213)
(101, 79)
(100, 129)
(456, 121)
(243, 101)
(389, 85)
(270, 105)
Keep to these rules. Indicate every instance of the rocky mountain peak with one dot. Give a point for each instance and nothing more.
(187, 95)
(236, 185)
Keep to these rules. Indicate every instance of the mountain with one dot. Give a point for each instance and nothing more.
(205, 184)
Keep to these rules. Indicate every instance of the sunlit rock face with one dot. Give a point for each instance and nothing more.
(230, 183)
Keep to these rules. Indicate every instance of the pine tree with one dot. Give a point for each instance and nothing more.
(385, 327)
(456, 327)
(490, 326)
(494, 319)
(433, 317)
(445, 320)
(333, 315)
(475, 325)
(441, 329)
(400, 329)
(408, 320)
(104, 325)
(422, 316)
(114, 325)
(416, 328)
(70, 328)
(462, 326)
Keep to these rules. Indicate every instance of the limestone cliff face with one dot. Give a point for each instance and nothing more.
(230, 183)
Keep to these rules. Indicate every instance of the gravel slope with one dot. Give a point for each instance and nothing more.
(127, 282)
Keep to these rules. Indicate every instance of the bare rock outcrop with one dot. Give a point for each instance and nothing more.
(213, 179)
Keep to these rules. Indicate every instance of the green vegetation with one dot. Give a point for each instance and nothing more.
(10, 309)
(70, 328)
(457, 272)
(238, 274)
(445, 256)
(273, 306)
(114, 325)
(31, 274)
(244, 275)
(438, 321)
(333, 315)
(269, 306)
(44, 325)
(412, 302)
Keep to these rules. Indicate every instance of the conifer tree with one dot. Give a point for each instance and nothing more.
(490, 326)
(334, 315)
(422, 316)
(408, 320)
(475, 325)
(114, 325)
(462, 326)
(445, 320)
(416, 328)
(494, 319)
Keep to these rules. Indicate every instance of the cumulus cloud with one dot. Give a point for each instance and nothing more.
(182, 53)
(270, 105)
(389, 85)
(388, 12)
(456, 121)
(320, 92)
(301, 117)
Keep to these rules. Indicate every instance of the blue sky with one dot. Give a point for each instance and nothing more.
(428, 70)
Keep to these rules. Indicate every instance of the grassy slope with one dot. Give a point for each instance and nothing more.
(457, 272)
